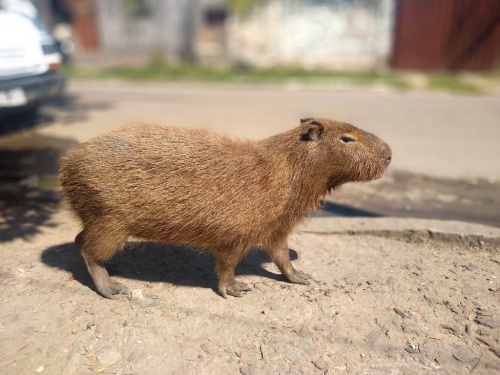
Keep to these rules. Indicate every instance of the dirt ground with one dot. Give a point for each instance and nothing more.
(375, 306)
(385, 298)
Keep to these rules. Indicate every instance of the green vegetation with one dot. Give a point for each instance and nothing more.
(244, 7)
(159, 69)
(452, 83)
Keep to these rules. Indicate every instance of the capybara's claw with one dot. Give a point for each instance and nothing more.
(241, 287)
(113, 289)
(234, 289)
(299, 277)
(304, 275)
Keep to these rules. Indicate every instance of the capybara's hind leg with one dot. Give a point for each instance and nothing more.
(95, 250)
(226, 265)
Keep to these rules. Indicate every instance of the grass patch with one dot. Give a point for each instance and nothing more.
(158, 70)
(453, 84)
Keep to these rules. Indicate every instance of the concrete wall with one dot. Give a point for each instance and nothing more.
(168, 26)
(343, 34)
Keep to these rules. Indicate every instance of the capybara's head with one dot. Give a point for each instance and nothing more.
(345, 152)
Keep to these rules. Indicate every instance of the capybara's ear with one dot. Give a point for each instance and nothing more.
(314, 131)
(302, 120)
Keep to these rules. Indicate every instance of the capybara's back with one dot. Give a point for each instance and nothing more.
(174, 185)
(194, 187)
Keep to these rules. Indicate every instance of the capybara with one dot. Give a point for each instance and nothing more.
(197, 188)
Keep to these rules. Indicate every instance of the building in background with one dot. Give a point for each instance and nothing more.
(339, 34)
(332, 34)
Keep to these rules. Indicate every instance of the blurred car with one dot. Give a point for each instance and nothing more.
(29, 62)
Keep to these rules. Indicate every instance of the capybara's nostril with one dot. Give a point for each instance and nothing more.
(387, 156)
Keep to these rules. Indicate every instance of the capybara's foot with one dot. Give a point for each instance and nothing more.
(234, 289)
(298, 277)
(112, 289)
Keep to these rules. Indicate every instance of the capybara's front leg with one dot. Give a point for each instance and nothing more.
(281, 257)
(226, 265)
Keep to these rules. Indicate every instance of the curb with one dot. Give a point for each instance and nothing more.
(477, 236)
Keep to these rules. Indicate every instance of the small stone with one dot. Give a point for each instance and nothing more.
(485, 313)
(292, 370)
(471, 267)
(495, 367)
(452, 329)
(191, 354)
(495, 351)
(495, 259)
(470, 329)
(245, 356)
(305, 331)
(412, 348)
(492, 323)
(138, 297)
(432, 300)
(443, 356)
(209, 348)
(453, 308)
(39, 369)
(373, 337)
(134, 356)
(463, 354)
(468, 290)
(405, 370)
(340, 367)
(320, 363)
(485, 332)
(486, 340)
(248, 370)
(386, 322)
(480, 306)
(273, 305)
(411, 328)
(109, 357)
(401, 313)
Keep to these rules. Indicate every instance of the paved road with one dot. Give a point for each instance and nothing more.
(432, 134)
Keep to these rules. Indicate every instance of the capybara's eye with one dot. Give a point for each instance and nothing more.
(347, 139)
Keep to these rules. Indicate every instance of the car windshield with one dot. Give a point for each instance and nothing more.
(25, 9)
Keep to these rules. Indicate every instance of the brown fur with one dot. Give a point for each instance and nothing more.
(195, 187)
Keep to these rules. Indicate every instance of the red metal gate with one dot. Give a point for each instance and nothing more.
(447, 34)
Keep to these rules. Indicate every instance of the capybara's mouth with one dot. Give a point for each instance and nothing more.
(373, 171)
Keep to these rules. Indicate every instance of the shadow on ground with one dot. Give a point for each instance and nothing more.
(66, 110)
(29, 163)
(29, 192)
(329, 208)
(410, 195)
(154, 262)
